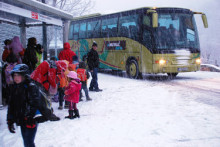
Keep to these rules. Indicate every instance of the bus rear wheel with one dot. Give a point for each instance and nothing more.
(132, 69)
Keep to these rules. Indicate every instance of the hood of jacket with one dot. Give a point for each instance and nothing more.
(66, 46)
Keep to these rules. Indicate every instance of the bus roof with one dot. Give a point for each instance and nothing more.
(99, 14)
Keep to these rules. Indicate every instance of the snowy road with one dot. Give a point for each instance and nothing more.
(153, 112)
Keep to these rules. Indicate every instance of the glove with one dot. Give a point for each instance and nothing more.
(30, 122)
(11, 126)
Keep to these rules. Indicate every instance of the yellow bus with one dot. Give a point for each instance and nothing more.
(144, 40)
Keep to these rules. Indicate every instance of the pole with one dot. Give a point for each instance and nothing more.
(1, 105)
(55, 36)
(23, 33)
(44, 36)
(45, 40)
(65, 30)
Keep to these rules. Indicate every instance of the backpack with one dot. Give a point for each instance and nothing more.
(44, 105)
(81, 74)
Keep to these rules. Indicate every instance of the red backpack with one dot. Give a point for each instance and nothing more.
(81, 74)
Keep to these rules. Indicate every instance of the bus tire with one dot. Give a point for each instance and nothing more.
(172, 75)
(132, 69)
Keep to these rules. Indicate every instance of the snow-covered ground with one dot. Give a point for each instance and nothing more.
(153, 112)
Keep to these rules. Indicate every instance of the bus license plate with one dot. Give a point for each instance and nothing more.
(183, 69)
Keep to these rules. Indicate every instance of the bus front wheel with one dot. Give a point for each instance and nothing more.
(132, 69)
(172, 75)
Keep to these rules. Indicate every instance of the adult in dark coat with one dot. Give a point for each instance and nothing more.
(93, 63)
(30, 57)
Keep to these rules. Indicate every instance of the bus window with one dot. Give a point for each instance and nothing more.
(146, 21)
(176, 31)
(128, 26)
(147, 40)
(109, 27)
(71, 32)
(76, 31)
(93, 29)
(82, 30)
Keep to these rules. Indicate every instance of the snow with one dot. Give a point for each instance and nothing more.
(155, 111)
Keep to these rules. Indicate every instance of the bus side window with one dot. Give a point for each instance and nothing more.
(93, 29)
(123, 31)
(76, 32)
(133, 32)
(82, 30)
(109, 27)
(71, 32)
(128, 26)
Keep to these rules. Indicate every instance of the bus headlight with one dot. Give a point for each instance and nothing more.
(161, 62)
(198, 61)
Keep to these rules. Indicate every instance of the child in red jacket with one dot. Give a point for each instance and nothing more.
(72, 92)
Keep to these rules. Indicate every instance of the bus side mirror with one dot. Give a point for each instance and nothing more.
(204, 19)
(154, 17)
(155, 20)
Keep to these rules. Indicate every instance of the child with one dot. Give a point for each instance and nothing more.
(74, 65)
(72, 94)
(23, 104)
(83, 75)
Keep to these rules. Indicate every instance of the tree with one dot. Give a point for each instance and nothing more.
(75, 7)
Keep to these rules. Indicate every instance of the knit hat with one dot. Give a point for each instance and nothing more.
(94, 44)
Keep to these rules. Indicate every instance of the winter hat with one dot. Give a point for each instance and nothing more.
(62, 65)
(75, 58)
(32, 41)
(72, 74)
(21, 69)
(94, 44)
(16, 45)
(7, 42)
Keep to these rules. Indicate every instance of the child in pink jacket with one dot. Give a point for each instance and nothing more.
(72, 92)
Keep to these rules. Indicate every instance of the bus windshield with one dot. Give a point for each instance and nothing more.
(176, 31)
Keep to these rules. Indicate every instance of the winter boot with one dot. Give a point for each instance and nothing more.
(88, 98)
(70, 114)
(66, 105)
(60, 107)
(80, 99)
(76, 111)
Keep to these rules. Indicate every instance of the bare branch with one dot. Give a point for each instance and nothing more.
(76, 7)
